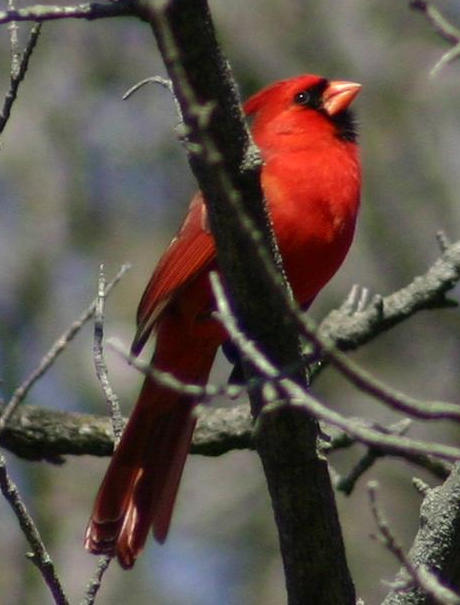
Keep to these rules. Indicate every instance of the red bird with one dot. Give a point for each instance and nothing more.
(311, 179)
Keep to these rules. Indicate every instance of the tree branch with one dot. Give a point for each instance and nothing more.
(349, 329)
(37, 433)
(416, 577)
(436, 545)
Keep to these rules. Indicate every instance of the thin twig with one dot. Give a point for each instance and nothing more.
(422, 293)
(347, 483)
(436, 467)
(166, 379)
(420, 576)
(202, 392)
(439, 23)
(99, 361)
(95, 582)
(363, 380)
(39, 555)
(90, 10)
(447, 57)
(50, 357)
(19, 66)
(165, 82)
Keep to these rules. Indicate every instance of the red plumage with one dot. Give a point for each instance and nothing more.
(311, 179)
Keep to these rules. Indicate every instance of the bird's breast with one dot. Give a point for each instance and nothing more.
(313, 199)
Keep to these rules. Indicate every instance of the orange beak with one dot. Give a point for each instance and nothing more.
(338, 96)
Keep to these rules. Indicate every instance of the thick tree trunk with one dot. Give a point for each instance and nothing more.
(218, 145)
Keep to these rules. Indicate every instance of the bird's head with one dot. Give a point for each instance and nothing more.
(303, 110)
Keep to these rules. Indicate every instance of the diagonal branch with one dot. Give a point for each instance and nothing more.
(18, 71)
(439, 23)
(95, 583)
(444, 28)
(428, 291)
(39, 555)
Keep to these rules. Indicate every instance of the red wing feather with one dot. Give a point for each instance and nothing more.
(188, 254)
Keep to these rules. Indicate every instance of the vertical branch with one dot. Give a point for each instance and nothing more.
(14, 44)
(99, 360)
(115, 415)
(219, 146)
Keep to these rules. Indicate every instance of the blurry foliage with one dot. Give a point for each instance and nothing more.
(86, 178)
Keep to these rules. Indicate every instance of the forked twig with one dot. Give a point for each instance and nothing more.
(50, 357)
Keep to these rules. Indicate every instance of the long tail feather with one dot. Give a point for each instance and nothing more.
(141, 483)
(142, 480)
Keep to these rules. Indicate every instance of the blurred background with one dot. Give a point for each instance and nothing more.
(86, 178)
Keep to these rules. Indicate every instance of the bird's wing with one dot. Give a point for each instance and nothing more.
(190, 251)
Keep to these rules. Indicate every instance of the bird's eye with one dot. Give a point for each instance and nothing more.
(302, 98)
(313, 96)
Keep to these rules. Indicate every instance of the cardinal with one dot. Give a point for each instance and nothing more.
(311, 177)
